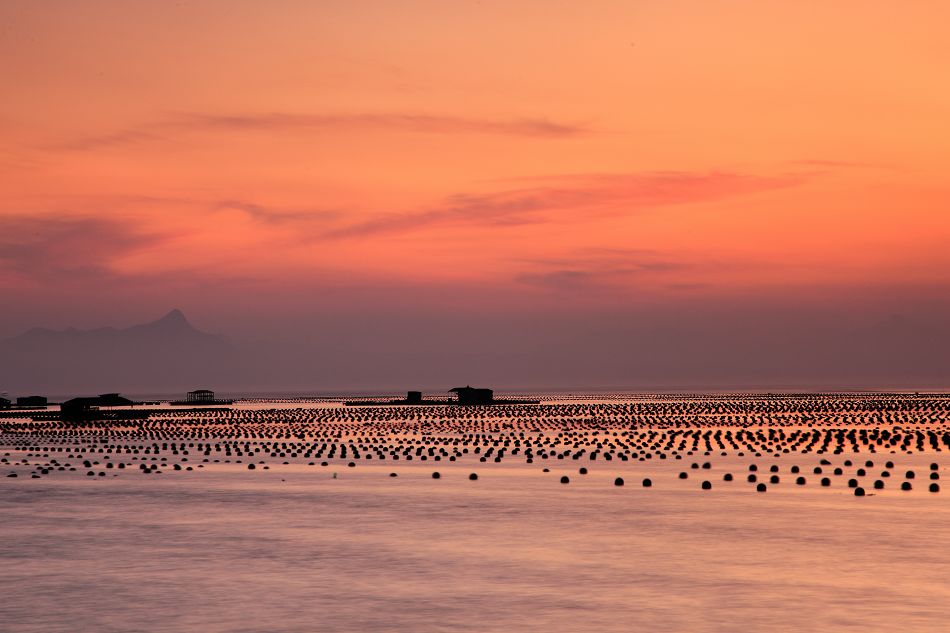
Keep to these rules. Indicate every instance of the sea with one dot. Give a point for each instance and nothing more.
(300, 548)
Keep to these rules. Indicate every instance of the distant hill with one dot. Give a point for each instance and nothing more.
(165, 355)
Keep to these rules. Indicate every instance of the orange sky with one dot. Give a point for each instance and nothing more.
(607, 149)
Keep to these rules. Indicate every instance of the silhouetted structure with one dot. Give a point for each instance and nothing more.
(466, 396)
(470, 395)
(89, 408)
(412, 397)
(4, 403)
(31, 401)
(200, 396)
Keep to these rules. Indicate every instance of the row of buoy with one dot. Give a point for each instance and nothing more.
(619, 481)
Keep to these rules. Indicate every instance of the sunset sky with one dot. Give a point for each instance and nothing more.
(676, 182)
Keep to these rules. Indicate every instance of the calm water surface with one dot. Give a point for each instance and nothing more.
(293, 549)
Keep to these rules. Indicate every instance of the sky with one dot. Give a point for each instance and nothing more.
(535, 193)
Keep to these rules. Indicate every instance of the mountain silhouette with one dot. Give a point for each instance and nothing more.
(168, 354)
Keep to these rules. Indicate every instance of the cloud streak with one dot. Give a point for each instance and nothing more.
(622, 193)
(420, 123)
(599, 268)
(271, 216)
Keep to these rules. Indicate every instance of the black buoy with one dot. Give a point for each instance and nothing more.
(761, 488)
(647, 483)
(878, 484)
(934, 487)
(859, 492)
(473, 477)
(436, 475)
(707, 485)
(251, 466)
(727, 477)
(906, 486)
(618, 481)
(825, 482)
(565, 479)
(393, 475)
(583, 471)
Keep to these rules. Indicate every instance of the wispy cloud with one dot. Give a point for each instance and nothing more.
(622, 193)
(59, 248)
(433, 124)
(599, 267)
(197, 122)
(270, 215)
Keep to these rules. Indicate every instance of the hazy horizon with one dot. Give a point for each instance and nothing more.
(169, 360)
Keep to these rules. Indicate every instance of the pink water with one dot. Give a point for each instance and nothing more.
(293, 549)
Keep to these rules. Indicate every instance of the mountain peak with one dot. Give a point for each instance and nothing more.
(175, 316)
(173, 322)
